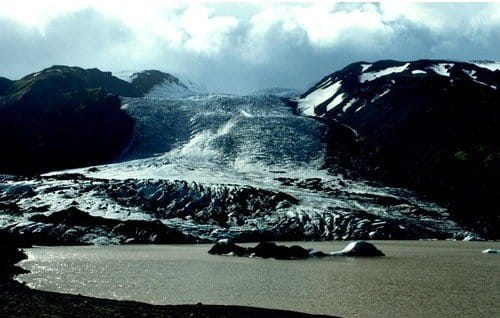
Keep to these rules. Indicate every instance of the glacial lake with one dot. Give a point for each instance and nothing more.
(414, 279)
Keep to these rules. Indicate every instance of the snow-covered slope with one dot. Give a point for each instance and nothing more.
(154, 83)
(361, 84)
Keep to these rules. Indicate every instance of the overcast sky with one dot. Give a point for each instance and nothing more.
(243, 46)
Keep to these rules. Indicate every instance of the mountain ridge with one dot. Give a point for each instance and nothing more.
(428, 125)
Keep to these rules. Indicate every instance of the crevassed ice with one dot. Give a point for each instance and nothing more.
(390, 70)
(317, 97)
(442, 69)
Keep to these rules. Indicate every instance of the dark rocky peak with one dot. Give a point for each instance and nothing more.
(5, 85)
(145, 80)
(359, 85)
(62, 117)
(60, 78)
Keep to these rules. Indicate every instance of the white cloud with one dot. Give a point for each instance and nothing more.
(228, 46)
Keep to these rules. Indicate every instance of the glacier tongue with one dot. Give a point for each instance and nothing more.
(221, 166)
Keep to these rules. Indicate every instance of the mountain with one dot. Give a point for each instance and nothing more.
(66, 116)
(253, 167)
(429, 125)
(154, 83)
(62, 117)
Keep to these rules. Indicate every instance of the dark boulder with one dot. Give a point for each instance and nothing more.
(227, 247)
(267, 250)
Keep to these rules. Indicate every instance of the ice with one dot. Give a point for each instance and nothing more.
(390, 70)
(491, 251)
(217, 144)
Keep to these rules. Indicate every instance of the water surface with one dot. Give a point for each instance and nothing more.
(415, 279)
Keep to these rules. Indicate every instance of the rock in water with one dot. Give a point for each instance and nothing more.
(227, 247)
(271, 250)
(359, 248)
(267, 250)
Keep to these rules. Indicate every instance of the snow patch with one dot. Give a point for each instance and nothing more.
(359, 108)
(473, 77)
(390, 70)
(378, 96)
(349, 104)
(325, 83)
(335, 102)
(317, 97)
(442, 69)
(471, 74)
(171, 90)
(415, 72)
(364, 67)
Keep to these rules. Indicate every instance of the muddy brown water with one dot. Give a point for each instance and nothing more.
(415, 279)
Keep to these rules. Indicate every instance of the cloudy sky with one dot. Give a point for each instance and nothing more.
(239, 46)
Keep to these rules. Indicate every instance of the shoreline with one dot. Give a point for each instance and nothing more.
(19, 300)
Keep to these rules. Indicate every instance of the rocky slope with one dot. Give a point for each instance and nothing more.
(62, 117)
(430, 125)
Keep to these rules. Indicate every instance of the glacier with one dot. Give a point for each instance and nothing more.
(218, 166)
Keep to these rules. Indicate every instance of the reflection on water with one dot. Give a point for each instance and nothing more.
(416, 279)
